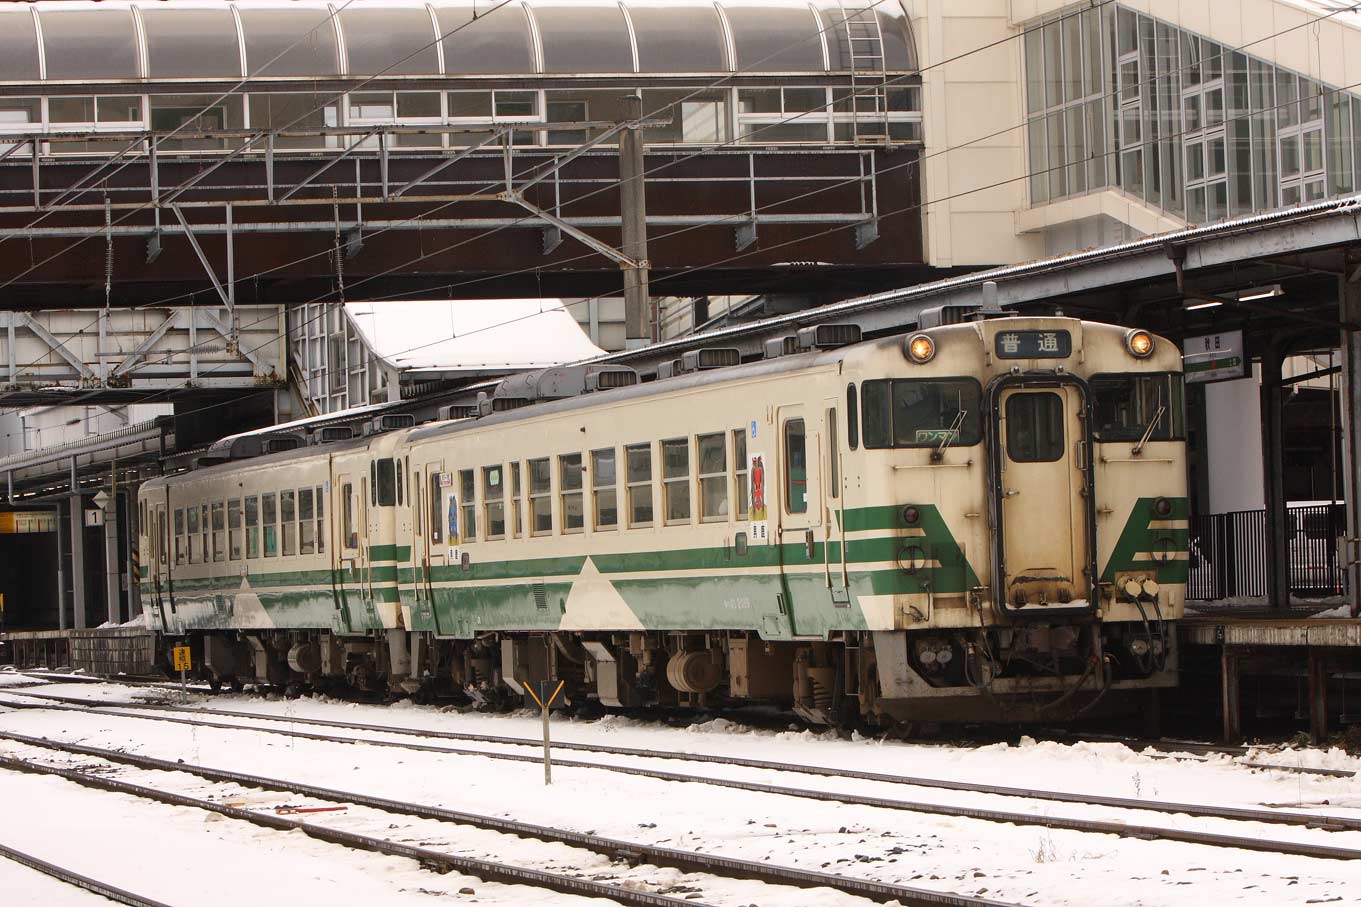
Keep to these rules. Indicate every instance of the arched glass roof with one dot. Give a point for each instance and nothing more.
(121, 40)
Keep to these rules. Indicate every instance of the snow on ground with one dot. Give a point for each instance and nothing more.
(1025, 864)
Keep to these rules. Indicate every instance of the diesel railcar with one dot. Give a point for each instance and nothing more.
(978, 521)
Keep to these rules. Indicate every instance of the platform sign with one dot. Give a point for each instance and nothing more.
(1214, 357)
(182, 660)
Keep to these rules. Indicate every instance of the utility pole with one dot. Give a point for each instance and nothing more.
(640, 326)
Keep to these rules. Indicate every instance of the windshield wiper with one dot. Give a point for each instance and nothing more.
(950, 434)
(1148, 432)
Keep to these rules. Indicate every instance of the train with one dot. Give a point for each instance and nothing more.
(981, 520)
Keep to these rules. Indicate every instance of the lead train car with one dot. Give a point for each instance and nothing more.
(981, 521)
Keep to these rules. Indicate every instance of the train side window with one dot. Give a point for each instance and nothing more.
(270, 517)
(321, 518)
(384, 483)
(180, 549)
(570, 485)
(604, 493)
(288, 518)
(676, 481)
(852, 418)
(875, 422)
(1035, 428)
(712, 453)
(234, 529)
(517, 528)
(400, 476)
(638, 478)
(252, 527)
(740, 466)
(436, 516)
(162, 528)
(833, 455)
(795, 468)
(307, 528)
(373, 483)
(540, 497)
(494, 502)
(468, 505)
(219, 532)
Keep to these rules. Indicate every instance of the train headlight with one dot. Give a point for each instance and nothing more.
(1139, 344)
(920, 348)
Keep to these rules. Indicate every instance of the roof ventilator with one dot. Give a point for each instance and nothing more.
(458, 411)
(828, 336)
(556, 383)
(243, 447)
(389, 422)
(329, 434)
(709, 358)
(669, 369)
(781, 346)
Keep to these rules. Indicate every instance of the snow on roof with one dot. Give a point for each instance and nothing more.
(471, 335)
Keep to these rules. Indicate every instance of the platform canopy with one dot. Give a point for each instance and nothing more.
(435, 338)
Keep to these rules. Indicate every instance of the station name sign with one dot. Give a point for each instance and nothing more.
(1033, 345)
(1214, 357)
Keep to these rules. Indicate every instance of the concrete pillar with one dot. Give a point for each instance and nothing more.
(113, 565)
(63, 603)
(1273, 480)
(77, 505)
(640, 326)
(1349, 308)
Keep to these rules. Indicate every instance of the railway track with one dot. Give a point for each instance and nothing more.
(71, 877)
(687, 861)
(1096, 826)
(141, 710)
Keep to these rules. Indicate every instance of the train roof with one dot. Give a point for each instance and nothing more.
(159, 40)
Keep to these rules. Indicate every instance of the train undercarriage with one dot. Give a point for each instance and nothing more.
(884, 680)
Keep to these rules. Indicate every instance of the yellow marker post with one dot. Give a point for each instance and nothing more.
(183, 663)
(545, 699)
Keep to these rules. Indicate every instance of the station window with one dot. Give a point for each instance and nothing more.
(180, 553)
(713, 477)
(494, 501)
(467, 505)
(234, 529)
(676, 481)
(566, 111)
(270, 517)
(288, 517)
(795, 467)
(852, 418)
(638, 477)
(604, 496)
(436, 516)
(517, 527)
(540, 497)
(570, 485)
(219, 532)
(307, 527)
(321, 518)
(252, 527)
(739, 466)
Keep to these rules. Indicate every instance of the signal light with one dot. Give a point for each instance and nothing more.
(920, 348)
(1139, 344)
(911, 515)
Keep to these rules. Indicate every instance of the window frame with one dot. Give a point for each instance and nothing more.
(467, 505)
(892, 444)
(489, 502)
(646, 485)
(741, 473)
(234, 527)
(787, 463)
(678, 482)
(250, 506)
(720, 477)
(567, 491)
(544, 493)
(599, 489)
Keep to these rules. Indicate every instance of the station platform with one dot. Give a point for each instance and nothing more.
(103, 651)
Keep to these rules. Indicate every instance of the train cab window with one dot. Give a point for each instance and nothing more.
(307, 527)
(494, 502)
(921, 412)
(517, 528)
(638, 480)
(676, 481)
(467, 505)
(252, 527)
(712, 454)
(540, 497)
(181, 552)
(604, 496)
(383, 483)
(219, 532)
(795, 467)
(234, 529)
(852, 418)
(270, 517)
(570, 482)
(1035, 427)
(400, 475)
(1126, 406)
(739, 468)
(436, 513)
(833, 455)
(288, 521)
(321, 518)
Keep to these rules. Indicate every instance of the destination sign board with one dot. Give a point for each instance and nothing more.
(1033, 344)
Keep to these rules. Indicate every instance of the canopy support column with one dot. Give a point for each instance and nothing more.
(1273, 481)
(1349, 311)
(640, 324)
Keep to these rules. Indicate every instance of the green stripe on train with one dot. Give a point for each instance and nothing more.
(1139, 537)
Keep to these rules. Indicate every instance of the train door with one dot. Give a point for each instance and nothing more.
(800, 509)
(1042, 499)
(159, 531)
(433, 541)
(833, 554)
(350, 518)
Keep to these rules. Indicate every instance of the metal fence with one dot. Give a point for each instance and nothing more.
(1228, 553)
